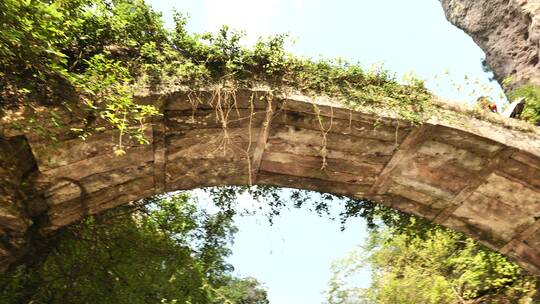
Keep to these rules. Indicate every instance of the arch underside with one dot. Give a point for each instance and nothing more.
(472, 176)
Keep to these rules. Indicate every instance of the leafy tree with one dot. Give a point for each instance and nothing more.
(159, 251)
(440, 267)
(241, 291)
(412, 260)
(44, 42)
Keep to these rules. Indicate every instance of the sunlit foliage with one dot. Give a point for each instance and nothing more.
(163, 251)
(439, 267)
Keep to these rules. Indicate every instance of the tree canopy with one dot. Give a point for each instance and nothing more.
(440, 266)
(161, 251)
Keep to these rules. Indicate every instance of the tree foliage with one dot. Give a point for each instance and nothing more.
(167, 251)
(95, 54)
(412, 260)
(275, 199)
(440, 267)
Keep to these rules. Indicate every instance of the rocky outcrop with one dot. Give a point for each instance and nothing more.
(507, 30)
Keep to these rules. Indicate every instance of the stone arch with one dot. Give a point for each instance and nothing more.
(480, 176)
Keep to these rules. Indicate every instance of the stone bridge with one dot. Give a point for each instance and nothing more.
(480, 176)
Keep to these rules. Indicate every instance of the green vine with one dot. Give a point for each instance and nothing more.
(107, 91)
(104, 51)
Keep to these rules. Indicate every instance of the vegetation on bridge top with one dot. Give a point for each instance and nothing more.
(96, 54)
(99, 52)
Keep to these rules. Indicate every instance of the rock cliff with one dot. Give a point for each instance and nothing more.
(508, 31)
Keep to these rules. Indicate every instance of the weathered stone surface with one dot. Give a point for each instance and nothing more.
(349, 166)
(211, 143)
(408, 205)
(507, 30)
(276, 144)
(361, 129)
(188, 173)
(495, 219)
(523, 171)
(441, 154)
(81, 201)
(475, 176)
(334, 142)
(106, 162)
(51, 155)
(283, 180)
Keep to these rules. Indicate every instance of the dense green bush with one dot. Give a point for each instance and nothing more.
(167, 251)
(439, 267)
(49, 51)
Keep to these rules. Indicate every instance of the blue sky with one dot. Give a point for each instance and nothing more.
(293, 257)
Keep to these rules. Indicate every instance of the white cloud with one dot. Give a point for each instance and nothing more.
(250, 16)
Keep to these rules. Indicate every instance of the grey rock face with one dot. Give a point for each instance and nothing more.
(507, 30)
